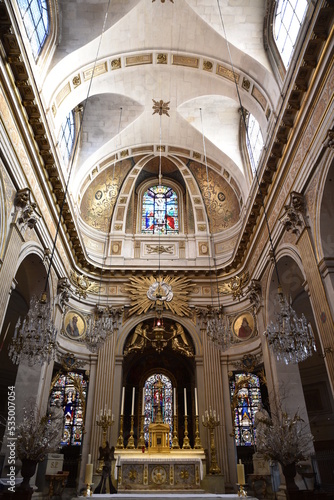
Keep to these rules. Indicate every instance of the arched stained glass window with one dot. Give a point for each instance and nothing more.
(288, 21)
(66, 137)
(158, 393)
(71, 391)
(246, 401)
(35, 18)
(254, 142)
(160, 211)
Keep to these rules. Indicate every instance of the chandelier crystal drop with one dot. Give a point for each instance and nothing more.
(99, 328)
(218, 329)
(34, 339)
(290, 338)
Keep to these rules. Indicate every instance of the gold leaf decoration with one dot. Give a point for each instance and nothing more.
(235, 285)
(83, 285)
(141, 303)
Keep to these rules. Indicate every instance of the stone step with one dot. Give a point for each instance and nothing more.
(200, 495)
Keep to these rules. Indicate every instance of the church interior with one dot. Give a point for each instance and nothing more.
(167, 246)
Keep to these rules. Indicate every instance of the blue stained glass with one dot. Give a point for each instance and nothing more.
(247, 402)
(160, 211)
(66, 392)
(35, 18)
(155, 397)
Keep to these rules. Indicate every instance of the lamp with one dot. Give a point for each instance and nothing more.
(34, 338)
(290, 338)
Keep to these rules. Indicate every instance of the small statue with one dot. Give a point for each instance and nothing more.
(138, 339)
(180, 342)
(56, 413)
(106, 454)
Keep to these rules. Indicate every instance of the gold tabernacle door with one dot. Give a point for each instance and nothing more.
(158, 438)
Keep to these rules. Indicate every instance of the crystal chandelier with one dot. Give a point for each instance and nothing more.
(218, 328)
(290, 338)
(100, 326)
(34, 339)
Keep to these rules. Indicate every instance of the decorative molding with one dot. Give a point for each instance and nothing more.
(159, 249)
(27, 215)
(83, 285)
(234, 285)
(293, 218)
(160, 107)
(255, 293)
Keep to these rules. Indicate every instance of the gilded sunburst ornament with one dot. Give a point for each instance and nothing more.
(160, 107)
(145, 293)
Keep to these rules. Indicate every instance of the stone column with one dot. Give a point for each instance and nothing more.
(103, 394)
(213, 380)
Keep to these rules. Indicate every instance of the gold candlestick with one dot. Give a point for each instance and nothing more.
(131, 441)
(186, 444)
(211, 422)
(88, 492)
(242, 492)
(120, 441)
(104, 420)
(141, 440)
(198, 444)
(175, 442)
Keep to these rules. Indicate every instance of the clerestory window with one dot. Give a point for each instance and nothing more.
(160, 213)
(35, 18)
(254, 141)
(66, 137)
(288, 20)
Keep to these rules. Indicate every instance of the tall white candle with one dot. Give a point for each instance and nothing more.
(174, 397)
(122, 404)
(89, 458)
(185, 402)
(196, 403)
(143, 402)
(241, 473)
(89, 474)
(133, 401)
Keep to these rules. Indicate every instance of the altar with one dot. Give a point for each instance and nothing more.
(176, 471)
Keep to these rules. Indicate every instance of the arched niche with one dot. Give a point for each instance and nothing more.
(139, 364)
(304, 386)
(29, 280)
(326, 211)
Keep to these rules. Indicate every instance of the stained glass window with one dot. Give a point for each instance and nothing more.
(66, 137)
(246, 401)
(71, 391)
(160, 211)
(35, 18)
(288, 20)
(254, 141)
(158, 397)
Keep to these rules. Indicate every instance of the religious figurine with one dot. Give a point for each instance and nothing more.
(261, 421)
(56, 414)
(107, 454)
(180, 342)
(138, 339)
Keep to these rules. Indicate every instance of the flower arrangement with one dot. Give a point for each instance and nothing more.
(284, 438)
(36, 436)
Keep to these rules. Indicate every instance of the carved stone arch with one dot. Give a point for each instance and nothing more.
(324, 209)
(291, 275)
(131, 323)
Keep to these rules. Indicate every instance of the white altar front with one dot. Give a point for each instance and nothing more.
(178, 470)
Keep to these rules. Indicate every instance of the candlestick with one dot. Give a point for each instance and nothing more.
(133, 401)
(196, 403)
(174, 395)
(131, 441)
(211, 422)
(105, 421)
(141, 440)
(175, 442)
(186, 443)
(198, 444)
(123, 397)
(185, 402)
(120, 441)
